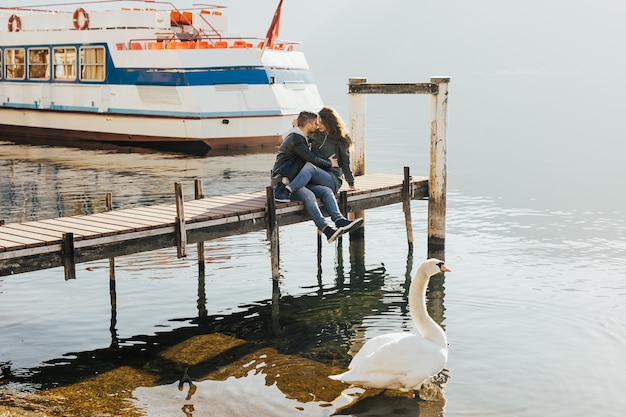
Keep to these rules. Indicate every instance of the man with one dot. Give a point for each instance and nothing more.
(293, 153)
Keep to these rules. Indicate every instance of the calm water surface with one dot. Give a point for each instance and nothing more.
(534, 308)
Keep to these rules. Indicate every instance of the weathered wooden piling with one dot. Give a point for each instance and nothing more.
(271, 221)
(108, 206)
(199, 195)
(67, 253)
(438, 168)
(438, 90)
(406, 207)
(181, 232)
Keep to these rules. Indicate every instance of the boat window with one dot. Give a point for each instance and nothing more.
(38, 63)
(92, 63)
(64, 63)
(14, 64)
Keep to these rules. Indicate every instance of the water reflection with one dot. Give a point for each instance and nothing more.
(38, 182)
(113, 297)
(291, 342)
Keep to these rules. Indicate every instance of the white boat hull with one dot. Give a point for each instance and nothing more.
(226, 97)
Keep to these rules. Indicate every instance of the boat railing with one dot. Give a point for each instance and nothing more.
(201, 42)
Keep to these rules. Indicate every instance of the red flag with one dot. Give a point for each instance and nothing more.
(272, 33)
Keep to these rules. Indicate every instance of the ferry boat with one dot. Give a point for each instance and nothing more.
(149, 75)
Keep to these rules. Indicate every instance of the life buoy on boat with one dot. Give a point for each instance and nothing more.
(76, 17)
(15, 23)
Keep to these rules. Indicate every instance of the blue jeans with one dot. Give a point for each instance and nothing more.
(312, 174)
(309, 194)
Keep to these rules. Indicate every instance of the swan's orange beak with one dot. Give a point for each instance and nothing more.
(445, 269)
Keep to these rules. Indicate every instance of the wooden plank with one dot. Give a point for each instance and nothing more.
(50, 234)
(153, 213)
(120, 238)
(6, 245)
(24, 252)
(82, 226)
(8, 236)
(216, 210)
(121, 220)
(137, 215)
(397, 88)
(89, 221)
(113, 223)
(9, 233)
(242, 205)
(54, 227)
(231, 209)
(246, 204)
(225, 205)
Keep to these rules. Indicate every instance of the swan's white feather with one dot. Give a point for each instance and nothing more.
(402, 360)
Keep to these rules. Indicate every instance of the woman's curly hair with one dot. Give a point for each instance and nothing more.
(335, 127)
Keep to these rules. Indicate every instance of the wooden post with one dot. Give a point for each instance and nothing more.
(202, 311)
(343, 206)
(320, 236)
(272, 230)
(357, 105)
(108, 200)
(67, 252)
(199, 195)
(276, 327)
(181, 231)
(343, 203)
(109, 207)
(438, 169)
(406, 207)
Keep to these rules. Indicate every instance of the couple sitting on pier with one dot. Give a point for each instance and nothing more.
(311, 163)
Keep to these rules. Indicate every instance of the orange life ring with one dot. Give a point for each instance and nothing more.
(77, 13)
(15, 23)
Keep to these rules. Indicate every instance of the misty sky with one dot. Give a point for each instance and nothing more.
(537, 86)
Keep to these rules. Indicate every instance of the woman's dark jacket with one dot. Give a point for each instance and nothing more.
(324, 147)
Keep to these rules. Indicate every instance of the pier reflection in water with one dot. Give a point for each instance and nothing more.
(38, 182)
(218, 348)
(280, 350)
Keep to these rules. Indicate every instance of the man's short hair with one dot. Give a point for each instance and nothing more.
(306, 116)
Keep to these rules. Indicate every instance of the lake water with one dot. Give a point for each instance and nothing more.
(534, 310)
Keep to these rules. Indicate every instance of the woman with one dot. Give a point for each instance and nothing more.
(332, 138)
(331, 141)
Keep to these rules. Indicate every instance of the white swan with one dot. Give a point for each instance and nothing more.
(404, 360)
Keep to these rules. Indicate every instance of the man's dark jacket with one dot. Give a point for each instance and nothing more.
(292, 154)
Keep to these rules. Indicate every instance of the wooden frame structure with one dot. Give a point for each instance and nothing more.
(438, 90)
(66, 241)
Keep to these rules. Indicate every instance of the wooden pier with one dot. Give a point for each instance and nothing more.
(66, 241)
(69, 240)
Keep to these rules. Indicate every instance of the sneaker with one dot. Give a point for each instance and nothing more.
(281, 193)
(332, 233)
(349, 225)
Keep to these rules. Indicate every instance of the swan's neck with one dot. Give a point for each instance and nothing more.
(417, 305)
